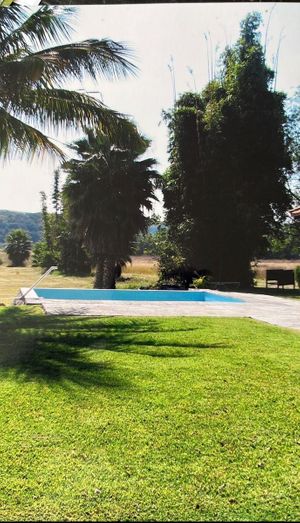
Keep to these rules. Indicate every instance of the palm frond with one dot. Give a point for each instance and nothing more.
(16, 73)
(124, 136)
(32, 80)
(147, 163)
(45, 26)
(20, 139)
(52, 67)
(58, 109)
(104, 57)
(9, 20)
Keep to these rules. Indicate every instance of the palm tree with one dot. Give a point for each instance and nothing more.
(106, 191)
(33, 74)
(18, 246)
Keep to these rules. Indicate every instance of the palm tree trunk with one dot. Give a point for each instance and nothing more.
(109, 278)
(99, 276)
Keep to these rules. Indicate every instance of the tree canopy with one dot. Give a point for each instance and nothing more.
(106, 192)
(226, 188)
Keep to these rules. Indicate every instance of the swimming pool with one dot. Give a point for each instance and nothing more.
(129, 295)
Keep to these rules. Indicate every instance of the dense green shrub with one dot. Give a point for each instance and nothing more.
(42, 256)
(285, 244)
(170, 257)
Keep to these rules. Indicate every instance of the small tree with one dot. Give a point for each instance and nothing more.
(18, 246)
(46, 252)
(59, 245)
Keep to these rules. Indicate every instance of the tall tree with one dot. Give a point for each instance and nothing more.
(33, 74)
(226, 188)
(105, 194)
(293, 129)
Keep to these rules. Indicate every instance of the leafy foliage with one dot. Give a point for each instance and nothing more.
(41, 257)
(293, 131)
(286, 244)
(18, 246)
(147, 242)
(144, 243)
(46, 252)
(59, 246)
(226, 188)
(73, 258)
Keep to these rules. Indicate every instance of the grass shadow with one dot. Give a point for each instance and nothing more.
(59, 348)
(29, 350)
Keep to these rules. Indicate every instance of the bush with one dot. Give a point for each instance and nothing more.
(170, 258)
(201, 282)
(42, 257)
(297, 275)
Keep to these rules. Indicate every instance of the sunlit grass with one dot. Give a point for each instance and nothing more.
(147, 419)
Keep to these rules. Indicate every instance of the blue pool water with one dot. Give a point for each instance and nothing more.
(131, 295)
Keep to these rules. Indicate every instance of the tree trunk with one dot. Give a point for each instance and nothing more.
(109, 278)
(99, 276)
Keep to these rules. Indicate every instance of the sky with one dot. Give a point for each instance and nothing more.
(160, 35)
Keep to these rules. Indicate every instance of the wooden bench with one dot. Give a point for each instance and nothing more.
(280, 276)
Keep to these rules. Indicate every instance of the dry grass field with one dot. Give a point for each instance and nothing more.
(145, 265)
(141, 272)
(260, 267)
(13, 278)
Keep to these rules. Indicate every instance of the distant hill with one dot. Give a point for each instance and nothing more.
(30, 221)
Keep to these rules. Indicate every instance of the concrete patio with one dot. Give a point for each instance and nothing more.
(283, 312)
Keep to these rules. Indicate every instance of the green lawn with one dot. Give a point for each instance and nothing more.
(148, 419)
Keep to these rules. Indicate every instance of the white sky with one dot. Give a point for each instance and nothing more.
(156, 32)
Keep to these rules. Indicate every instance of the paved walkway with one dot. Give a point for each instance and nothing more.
(283, 312)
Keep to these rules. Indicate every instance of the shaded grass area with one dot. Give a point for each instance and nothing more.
(147, 419)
